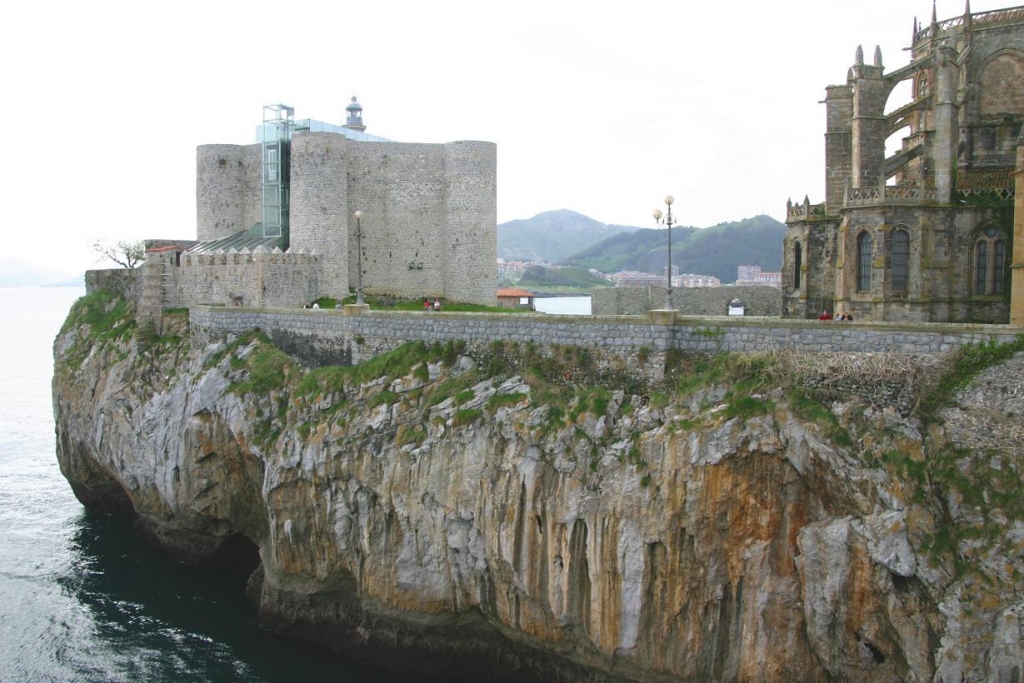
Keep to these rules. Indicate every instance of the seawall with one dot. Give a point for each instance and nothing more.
(330, 337)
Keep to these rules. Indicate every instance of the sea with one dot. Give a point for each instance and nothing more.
(82, 598)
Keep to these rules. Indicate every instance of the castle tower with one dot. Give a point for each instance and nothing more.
(354, 116)
(320, 205)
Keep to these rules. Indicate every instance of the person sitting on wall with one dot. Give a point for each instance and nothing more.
(316, 304)
(825, 315)
(426, 304)
(305, 305)
(437, 304)
(337, 305)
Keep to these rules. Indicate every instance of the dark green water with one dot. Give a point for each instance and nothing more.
(81, 597)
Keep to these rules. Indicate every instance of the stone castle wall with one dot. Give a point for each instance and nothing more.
(319, 216)
(471, 241)
(759, 301)
(262, 278)
(404, 221)
(429, 211)
(229, 192)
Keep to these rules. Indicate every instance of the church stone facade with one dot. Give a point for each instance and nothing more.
(925, 234)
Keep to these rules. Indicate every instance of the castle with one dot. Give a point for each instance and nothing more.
(278, 226)
(927, 233)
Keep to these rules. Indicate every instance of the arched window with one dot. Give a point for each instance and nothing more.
(998, 267)
(981, 267)
(864, 262)
(990, 262)
(899, 259)
(797, 264)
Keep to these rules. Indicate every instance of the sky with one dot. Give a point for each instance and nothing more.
(601, 108)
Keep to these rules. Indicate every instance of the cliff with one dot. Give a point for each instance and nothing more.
(505, 512)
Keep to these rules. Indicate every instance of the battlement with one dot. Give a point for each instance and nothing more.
(260, 255)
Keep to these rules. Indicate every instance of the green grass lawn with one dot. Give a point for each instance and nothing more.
(393, 304)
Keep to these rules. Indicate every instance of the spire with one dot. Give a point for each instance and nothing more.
(858, 59)
(913, 37)
(967, 15)
(878, 55)
(935, 16)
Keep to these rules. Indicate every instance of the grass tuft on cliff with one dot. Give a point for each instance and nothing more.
(95, 319)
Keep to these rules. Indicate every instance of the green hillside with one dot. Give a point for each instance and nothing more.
(717, 250)
(553, 279)
(551, 236)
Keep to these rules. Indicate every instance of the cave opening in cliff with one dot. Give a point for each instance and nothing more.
(238, 554)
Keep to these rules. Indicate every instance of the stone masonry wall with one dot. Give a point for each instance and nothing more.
(229, 194)
(353, 339)
(471, 241)
(400, 188)
(320, 208)
(126, 282)
(429, 219)
(262, 278)
(429, 212)
(759, 301)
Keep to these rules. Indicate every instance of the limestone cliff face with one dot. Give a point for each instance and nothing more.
(611, 536)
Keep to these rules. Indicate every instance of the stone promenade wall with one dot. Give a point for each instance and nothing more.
(320, 337)
(711, 301)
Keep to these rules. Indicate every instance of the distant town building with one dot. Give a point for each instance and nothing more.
(511, 267)
(752, 275)
(691, 280)
(632, 278)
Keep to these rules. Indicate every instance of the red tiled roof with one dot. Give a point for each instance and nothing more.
(984, 180)
(510, 292)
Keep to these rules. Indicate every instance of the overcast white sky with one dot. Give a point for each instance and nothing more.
(599, 107)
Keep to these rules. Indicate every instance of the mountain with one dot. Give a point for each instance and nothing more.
(710, 251)
(551, 236)
(16, 272)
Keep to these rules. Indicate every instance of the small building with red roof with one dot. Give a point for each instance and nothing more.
(513, 297)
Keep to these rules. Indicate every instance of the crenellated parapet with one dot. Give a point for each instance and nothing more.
(805, 211)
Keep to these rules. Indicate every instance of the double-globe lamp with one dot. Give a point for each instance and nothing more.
(668, 272)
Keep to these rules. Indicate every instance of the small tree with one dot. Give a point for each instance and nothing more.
(124, 253)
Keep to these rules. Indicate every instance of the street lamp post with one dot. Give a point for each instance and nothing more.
(668, 273)
(359, 258)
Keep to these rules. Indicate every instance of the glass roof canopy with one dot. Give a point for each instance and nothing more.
(269, 131)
